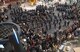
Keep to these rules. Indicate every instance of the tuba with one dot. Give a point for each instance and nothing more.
(32, 2)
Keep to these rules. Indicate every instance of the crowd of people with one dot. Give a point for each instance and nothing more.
(44, 42)
(3, 17)
(35, 24)
(32, 19)
(71, 11)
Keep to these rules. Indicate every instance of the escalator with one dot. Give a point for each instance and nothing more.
(10, 38)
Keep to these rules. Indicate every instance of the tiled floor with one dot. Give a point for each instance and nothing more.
(77, 49)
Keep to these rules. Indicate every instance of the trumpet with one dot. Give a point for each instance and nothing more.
(32, 2)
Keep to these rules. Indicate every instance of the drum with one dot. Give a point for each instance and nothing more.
(32, 2)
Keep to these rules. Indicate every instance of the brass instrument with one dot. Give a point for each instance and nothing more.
(32, 2)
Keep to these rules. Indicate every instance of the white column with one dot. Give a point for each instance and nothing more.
(22, 0)
(62, 1)
(4, 1)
